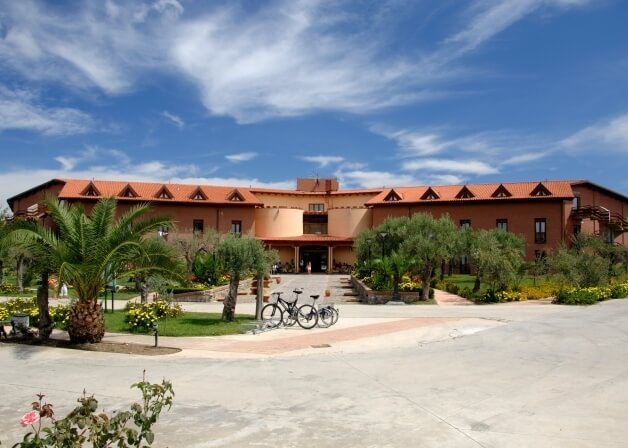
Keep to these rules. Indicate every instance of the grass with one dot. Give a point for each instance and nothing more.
(466, 281)
(189, 324)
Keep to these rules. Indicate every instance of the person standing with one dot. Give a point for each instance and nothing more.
(309, 267)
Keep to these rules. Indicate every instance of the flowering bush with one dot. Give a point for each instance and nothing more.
(583, 296)
(85, 426)
(8, 289)
(12, 306)
(142, 316)
(538, 292)
(408, 284)
(619, 291)
(59, 314)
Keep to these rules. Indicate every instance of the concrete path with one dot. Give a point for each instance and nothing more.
(515, 375)
(445, 298)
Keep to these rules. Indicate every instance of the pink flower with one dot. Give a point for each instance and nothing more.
(30, 418)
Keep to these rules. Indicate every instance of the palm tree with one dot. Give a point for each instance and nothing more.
(86, 251)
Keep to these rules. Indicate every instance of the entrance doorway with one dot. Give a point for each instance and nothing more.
(317, 255)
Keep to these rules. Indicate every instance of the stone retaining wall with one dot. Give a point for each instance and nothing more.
(212, 295)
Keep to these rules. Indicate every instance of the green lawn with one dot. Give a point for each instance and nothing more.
(189, 324)
(466, 281)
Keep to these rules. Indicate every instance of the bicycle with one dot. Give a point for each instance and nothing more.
(289, 313)
(327, 315)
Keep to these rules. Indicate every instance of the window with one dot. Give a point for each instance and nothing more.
(236, 227)
(464, 265)
(575, 203)
(197, 227)
(465, 224)
(502, 224)
(540, 230)
(316, 207)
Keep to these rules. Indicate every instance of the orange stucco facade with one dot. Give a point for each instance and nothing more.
(318, 222)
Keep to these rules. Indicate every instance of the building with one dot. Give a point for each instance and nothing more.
(317, 222)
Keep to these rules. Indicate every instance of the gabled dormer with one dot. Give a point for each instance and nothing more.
(128, 192)
(235, 196)
(465, 193)
(90, 190)
(392, 196)
(540, 190)
(198, 195)
(164, 193)
(501, 192)
(430, 195)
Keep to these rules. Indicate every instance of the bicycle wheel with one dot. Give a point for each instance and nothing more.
(272, 315)
(325, 317)
(335, 314)
(307, 316)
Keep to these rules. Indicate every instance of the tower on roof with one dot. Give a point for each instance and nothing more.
(318, 185)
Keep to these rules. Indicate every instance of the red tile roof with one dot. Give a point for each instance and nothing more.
(311, 238)
(149, 191)
(448, 193)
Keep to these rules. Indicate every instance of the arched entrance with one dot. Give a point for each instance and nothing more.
(317, 255)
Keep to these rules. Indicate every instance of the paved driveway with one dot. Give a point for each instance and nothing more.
(515, 375)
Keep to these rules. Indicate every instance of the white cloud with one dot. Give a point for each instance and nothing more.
(609, 135)
(450, 166)
(174, 119)
(524, 158)
(323, 161)
(373, 179)
(286, 58)
(241, 157)
(21, 110)
(490, 17)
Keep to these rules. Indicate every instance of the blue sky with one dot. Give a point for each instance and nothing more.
(375, 93)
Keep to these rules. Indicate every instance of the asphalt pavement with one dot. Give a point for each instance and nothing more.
(512, 375)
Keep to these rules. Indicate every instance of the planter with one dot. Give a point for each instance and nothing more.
(327, 292)
(21, 320)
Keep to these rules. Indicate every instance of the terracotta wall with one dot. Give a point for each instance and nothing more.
(349, 222)
(216, 217)
(278, 222)
(591, 196)
(302, 201)
(22, 204)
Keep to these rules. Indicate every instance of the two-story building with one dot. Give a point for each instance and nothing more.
(318, 222)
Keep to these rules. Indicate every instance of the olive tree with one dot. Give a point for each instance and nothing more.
(428, 241)
(240, 256)
(497, 256)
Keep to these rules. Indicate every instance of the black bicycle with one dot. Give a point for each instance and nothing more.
(288, 312)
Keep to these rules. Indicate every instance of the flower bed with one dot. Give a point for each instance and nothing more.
(373, 297)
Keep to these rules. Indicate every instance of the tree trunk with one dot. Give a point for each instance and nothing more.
(45, 323)
(19, 273)
(396, 296)
(87, 322)
(442, 270)
(476, 284)
(426, 279)
(228, 310)
(1, 271)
